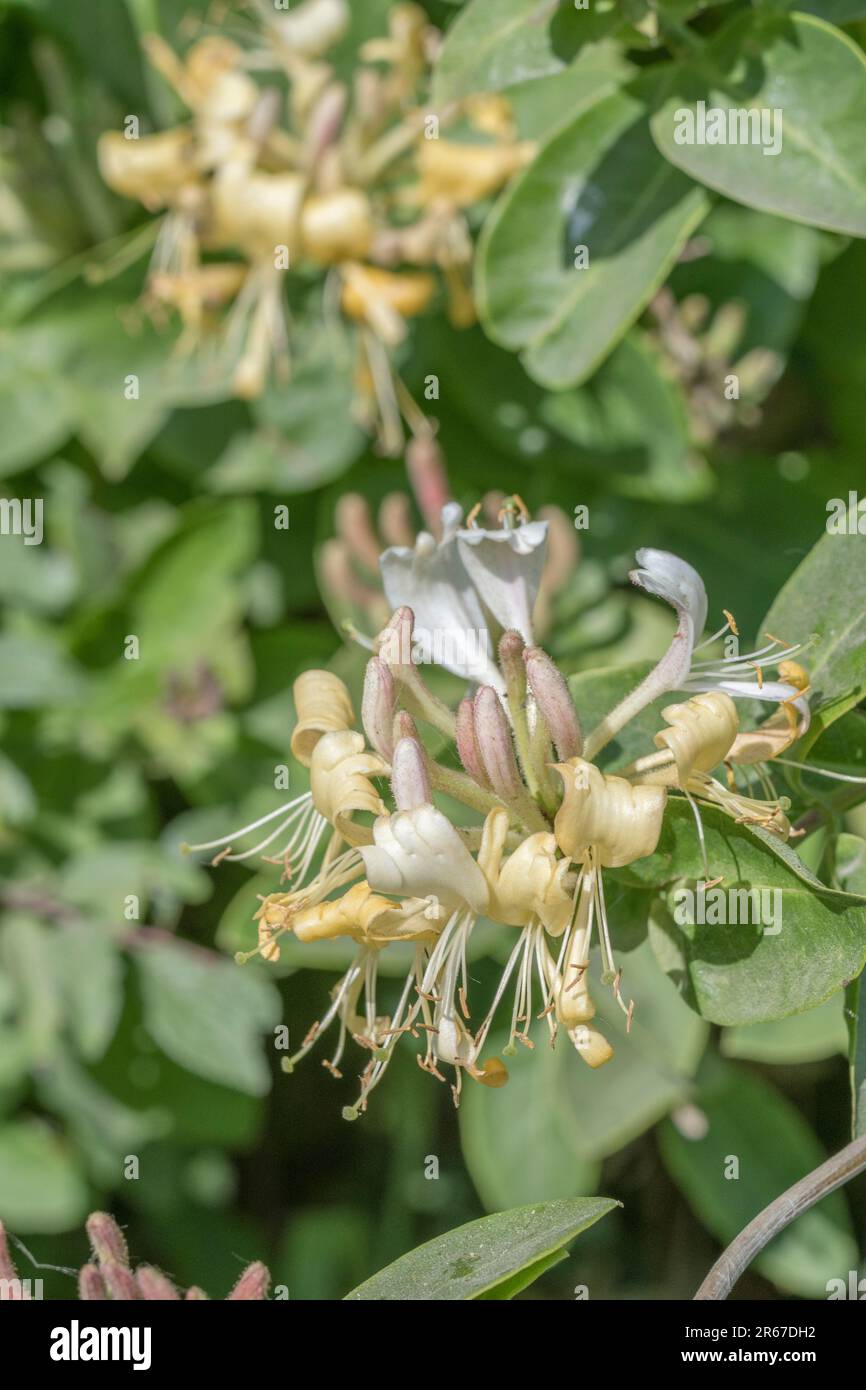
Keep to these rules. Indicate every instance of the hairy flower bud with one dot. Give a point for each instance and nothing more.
(495, 746)
(410, 776)
(377, 707)
(554, 700)
(467, 744)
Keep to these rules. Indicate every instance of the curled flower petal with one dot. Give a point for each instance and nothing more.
(339, 782)
(620, 822)
(323, 706)
(701, 733)
(532, 882)
(679, 584)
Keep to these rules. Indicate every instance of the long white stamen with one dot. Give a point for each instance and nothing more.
(253, 825)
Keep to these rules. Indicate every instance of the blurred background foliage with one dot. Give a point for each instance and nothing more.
(122, 1036)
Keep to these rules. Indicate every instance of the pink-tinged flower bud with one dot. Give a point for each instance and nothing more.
(7, 1268)
(119, 1281)
(394, 643)
(426, 468)
(551, 692)
(155, 1286)
(377, 707)
(467, 744)
(195, 1295)
(494, 743)
(106, 1238)
(404, 726)
(355, 528)
(410, 777)
(511, 651)
(395, 520)
(91, 1288)
(253, 1283)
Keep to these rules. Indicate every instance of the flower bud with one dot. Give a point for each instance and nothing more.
(394, 642)
(495, 746)
(253, 1283)
(106, 1238)
(355, 528)
(155, 1286)
(312, 27)
(91, 1289)
(467, 744)
(410, 777)
(554, 700)
(377, 707)
(426, 468)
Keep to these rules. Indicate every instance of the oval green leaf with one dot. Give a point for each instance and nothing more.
(808, 164)
(474, 1259)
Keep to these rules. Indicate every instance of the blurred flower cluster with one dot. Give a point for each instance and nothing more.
(348, 184)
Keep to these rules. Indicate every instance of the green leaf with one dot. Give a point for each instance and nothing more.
(599, 183)
(741, 973)
(816, 77)
(208, 1014)
(90, 971)
(542, 104)
(41, 1184)
(808, 1037)
(495, 43)
(33, 668)
(485, 1254)
(822, 605)
(750, 1122)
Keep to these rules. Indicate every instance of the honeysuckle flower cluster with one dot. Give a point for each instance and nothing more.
(348, 182)
(549, 821)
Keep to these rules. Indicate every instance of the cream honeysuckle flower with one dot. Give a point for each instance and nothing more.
(532, 882)
(677, 582)
(604, 822)
(418, 853)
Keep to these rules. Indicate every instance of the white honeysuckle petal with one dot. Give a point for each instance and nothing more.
(679, 584)
(419, 854)
(505, 567)
(432, 580)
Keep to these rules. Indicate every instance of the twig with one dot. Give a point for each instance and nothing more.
(804, 1194)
